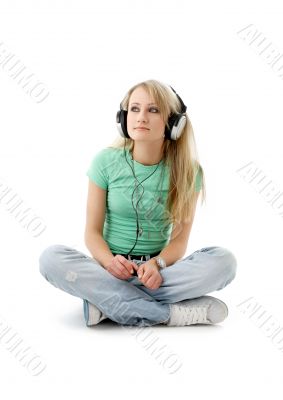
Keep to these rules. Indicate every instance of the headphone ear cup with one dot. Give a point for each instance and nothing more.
(171, 122)
(176, 125)
(121, 120)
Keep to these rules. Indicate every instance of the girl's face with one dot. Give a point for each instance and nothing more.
(143, 112)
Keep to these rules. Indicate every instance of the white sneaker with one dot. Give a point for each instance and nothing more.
(92, 314)
(201, 310)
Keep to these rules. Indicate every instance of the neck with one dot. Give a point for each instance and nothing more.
(148, 153)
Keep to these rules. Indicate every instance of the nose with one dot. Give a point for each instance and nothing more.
(141, 116)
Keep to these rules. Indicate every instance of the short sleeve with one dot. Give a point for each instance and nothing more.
(97, 171)
(198, 184)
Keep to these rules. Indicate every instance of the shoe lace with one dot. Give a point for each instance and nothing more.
(192, 315)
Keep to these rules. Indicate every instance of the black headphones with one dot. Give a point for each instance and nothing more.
(176, 122)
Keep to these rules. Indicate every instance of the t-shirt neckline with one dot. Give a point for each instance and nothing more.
(138, 164)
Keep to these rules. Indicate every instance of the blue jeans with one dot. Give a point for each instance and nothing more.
(129, 302)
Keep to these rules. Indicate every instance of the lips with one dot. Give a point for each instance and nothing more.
(142, 128)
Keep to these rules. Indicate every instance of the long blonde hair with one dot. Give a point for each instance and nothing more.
(180, 155)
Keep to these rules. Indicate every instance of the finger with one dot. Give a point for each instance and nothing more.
(118, 268)
(153, 286)
(112, 272)
(121, 262)
(127, 264)
(135, 266)
(135, 269)
(151, 281)
(124, 272)
(121, 270)
(158, 283)
(146, 275)
(154, 281)
(140, 272)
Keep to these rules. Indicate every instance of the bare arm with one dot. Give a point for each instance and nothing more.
(95, 216)
(177, 246)
(98, 248)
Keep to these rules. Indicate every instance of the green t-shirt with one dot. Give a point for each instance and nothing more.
(110, 171)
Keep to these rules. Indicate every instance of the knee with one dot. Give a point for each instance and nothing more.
(227, 263)
(49, 258)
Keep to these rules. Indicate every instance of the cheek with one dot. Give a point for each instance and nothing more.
(129, 120)
(160, 125)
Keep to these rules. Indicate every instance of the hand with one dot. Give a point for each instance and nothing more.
(121, 267)
(148, 274)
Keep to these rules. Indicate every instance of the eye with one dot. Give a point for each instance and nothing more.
(155, 110)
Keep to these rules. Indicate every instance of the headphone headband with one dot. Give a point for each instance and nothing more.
(183, 106)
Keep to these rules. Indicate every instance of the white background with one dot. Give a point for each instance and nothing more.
(88, 54)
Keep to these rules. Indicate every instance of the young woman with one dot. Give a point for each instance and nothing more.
(142, 196)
